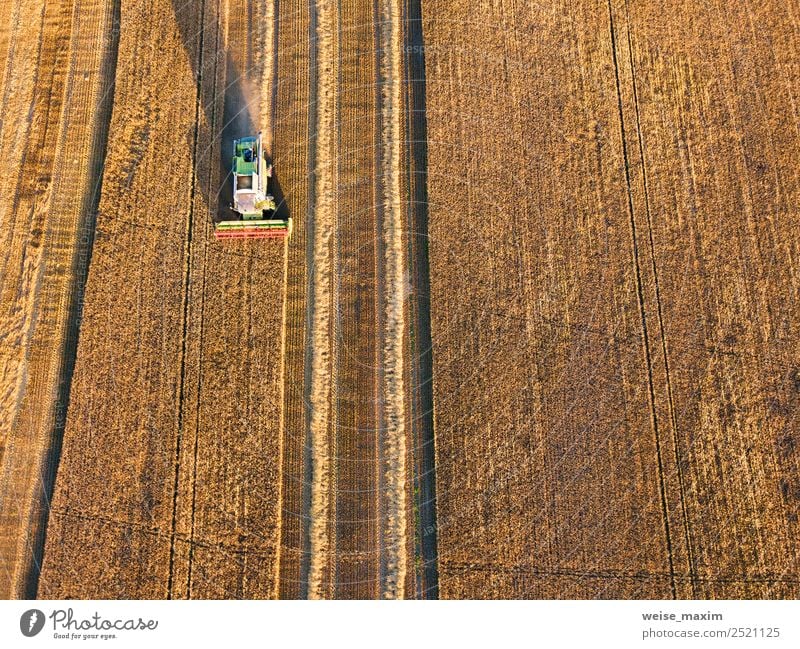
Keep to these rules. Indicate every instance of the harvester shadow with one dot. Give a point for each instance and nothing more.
(425, 480)
(237, 122)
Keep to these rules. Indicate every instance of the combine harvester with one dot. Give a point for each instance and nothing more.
(252, 200)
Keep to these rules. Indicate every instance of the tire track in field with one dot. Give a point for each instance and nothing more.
(392, 260)
(187, 273)
(321, 219)
(643, 316)
(211, 117)
(660, 311)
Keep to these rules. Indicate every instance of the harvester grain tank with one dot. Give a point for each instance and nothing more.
(253, 202)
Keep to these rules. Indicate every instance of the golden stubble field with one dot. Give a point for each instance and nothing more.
(626, 424)
(534, 334)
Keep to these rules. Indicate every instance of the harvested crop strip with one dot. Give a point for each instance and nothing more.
(322, 227)
(394, 263)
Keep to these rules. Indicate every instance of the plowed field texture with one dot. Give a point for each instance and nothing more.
(535, 333)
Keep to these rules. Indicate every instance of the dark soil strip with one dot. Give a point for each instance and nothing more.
(425, 544)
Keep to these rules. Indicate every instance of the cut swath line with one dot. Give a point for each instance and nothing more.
(391, 213)
(321, 227)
